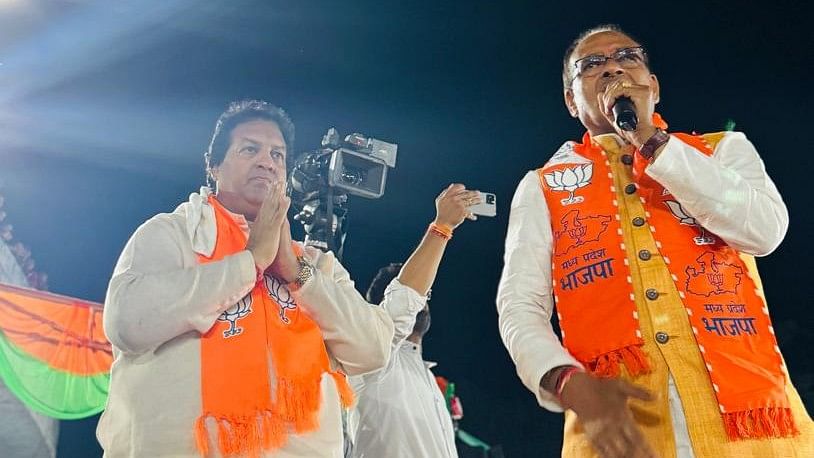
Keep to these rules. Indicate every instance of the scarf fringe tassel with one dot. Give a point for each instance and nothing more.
(607, 365)
(247, 436)
(346, 396)
(761, 423)
(297, 408)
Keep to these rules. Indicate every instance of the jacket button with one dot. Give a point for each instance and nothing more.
(662, 337)
(638, 221)
(627, 159)
(644, 255)
(651, 294)
(630, 189)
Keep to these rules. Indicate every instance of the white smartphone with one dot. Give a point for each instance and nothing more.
(487, 205)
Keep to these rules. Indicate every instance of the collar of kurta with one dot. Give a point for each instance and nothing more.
(201, 226)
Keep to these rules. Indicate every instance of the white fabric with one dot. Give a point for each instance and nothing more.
(400, 411)
(681, 432)
(201, 227)
(161, 299)
(729, 193)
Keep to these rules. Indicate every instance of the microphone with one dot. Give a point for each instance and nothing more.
(625, 113)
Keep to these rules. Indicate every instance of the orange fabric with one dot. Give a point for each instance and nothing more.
(579, 240)
(63, 332)
(235, 374)
(659, 122)
(729, 318)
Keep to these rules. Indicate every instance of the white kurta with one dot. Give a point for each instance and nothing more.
(159, 302)
(400, 411)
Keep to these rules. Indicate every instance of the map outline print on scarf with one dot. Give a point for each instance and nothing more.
(569, 180)
(721, 277)
(582, 230)
(274, 286)
(688, 220)
(241, 309)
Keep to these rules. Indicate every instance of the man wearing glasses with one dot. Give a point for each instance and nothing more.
(644, 241)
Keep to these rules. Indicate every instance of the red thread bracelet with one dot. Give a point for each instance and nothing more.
(441, 230)
(562, 379)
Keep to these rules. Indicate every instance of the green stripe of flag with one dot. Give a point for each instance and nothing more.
(52, 392)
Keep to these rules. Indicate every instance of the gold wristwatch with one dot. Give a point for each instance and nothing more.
(305, 273)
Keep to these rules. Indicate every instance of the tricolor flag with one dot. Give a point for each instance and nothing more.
(54, 355)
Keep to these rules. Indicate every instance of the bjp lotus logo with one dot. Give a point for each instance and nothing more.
(570, 179)
(242, 308)
(281, 295)
(684, 218)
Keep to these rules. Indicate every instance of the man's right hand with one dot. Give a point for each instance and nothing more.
(452, 205)
(264, 239)
(602, 408)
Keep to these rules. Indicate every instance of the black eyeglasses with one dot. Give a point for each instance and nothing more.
(626, 57)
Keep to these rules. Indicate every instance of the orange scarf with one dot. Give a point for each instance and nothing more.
(236, 391)
(595, 297)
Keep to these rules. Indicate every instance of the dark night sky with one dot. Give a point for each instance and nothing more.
(105, 109)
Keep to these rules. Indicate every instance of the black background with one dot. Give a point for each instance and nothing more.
(106, 108)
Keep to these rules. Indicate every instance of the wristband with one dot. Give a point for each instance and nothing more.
(562, 379)
(441, 230)
(305, 272)
(648, 149)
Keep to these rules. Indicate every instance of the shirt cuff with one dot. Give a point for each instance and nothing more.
(412, 300)
(402, 304)
(248, 269)
(548, 400)
(664, 162)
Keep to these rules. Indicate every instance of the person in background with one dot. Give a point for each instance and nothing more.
(400, 412)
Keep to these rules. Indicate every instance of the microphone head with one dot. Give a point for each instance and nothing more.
(625, 114)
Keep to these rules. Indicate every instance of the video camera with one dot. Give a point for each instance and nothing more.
(321, 181)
